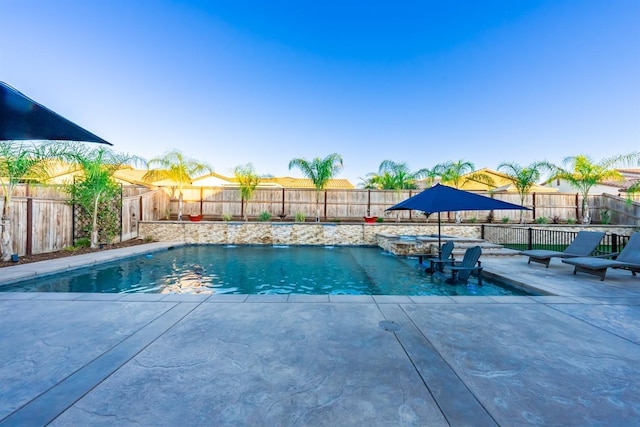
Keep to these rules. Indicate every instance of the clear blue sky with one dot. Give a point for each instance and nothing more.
(423, 82)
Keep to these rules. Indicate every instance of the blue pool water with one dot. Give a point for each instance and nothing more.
(260, 270)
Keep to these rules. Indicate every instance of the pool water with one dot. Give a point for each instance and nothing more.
(261, 270)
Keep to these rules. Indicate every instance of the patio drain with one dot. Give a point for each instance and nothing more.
(389, 325)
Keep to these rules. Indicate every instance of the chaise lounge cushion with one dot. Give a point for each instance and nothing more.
(582, 245)
(628, 259)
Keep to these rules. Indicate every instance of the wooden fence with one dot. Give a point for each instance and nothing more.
(42, 221)
(350, 205)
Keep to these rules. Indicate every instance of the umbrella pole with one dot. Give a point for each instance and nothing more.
(439, 242)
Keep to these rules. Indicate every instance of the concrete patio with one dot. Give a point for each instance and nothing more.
(569, 357)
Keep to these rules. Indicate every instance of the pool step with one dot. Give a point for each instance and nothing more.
(408, 247)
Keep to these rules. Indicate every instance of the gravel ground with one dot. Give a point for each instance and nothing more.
(67, 253)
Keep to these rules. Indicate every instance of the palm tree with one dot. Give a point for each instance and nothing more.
(19, 163)
(96, 185)
(457, 173)
(174, 166)
(524, 178)
(583, 173)
(248, 180)
(319, 171)
(397, 176)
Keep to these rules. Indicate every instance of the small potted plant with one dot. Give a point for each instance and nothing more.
(370, 219)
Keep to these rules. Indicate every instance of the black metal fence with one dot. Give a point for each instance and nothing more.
(527, 238)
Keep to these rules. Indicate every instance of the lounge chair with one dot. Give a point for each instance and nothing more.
(461, 270)
(583, 245)
(628, 259)
(444, 257)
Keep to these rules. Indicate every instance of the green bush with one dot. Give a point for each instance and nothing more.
(571, 221)
(380, 219)
(542, 220)
(227, 217)
(505, 219)
(83, 242)
(264, 216)
(300, 217)
(605, 217)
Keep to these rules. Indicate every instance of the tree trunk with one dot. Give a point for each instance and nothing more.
(586, 216)
(243, 208)
(180, 207)
(94, 224)
(7, 241)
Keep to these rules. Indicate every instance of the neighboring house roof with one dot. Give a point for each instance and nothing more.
(129, 175)
(501, 183)
(214, 180)
(630, 176)
(288, 182)
(63, 173)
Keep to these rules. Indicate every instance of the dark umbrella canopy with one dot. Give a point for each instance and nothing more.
(441, 198)
(22, 118)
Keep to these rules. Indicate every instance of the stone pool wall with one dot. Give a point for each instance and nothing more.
(291, 233)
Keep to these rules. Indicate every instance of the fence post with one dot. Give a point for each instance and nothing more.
(534, 206)
(614, 242)
(121, 212)
(283, 213)
(530, 239)
(482, 231)
(325, 205)
(29, 248)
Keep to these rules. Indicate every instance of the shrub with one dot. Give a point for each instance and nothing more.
(300, 217)
(380, 219)
(83, 242)
(227, 217)
(571, 221)
(264, 216)
(505, 219)
(605, 217)
(542, 220)
(473, 220)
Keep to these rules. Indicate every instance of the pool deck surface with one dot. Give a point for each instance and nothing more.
(568, 358)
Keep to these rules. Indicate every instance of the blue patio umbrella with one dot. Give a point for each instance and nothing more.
(441, 198)
(21, 118)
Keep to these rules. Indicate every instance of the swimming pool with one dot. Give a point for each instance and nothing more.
(260, 270)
